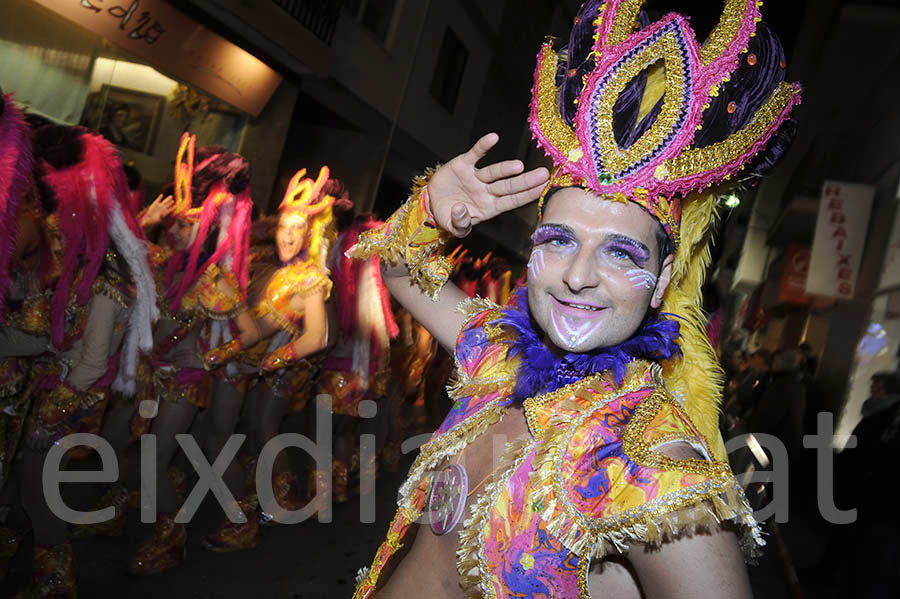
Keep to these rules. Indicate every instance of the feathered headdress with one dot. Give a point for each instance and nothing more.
(638, 111)
(88, 184)
(16, 163)
(225, 204)
(314, 202)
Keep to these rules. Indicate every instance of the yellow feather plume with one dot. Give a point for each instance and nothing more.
(697, 378)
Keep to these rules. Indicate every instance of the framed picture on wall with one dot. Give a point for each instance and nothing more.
(126, 117)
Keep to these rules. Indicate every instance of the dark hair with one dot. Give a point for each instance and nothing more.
(664, 245)
(225, 166)
(59, 146)
(132, 176)
(890, 382)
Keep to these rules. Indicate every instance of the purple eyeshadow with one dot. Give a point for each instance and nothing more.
(547, 232)
(637, 251)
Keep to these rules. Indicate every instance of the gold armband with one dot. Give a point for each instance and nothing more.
(412, 235)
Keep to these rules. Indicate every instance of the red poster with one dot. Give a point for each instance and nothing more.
(793, 278)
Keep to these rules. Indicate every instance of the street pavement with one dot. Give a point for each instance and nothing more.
(314, 560)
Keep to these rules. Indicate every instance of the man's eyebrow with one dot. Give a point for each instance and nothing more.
(628, 241)
(557, 227)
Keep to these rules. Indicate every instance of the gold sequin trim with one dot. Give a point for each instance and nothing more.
(448, 444)
(700, 160)
(644, 454)
(623, 22)
(616, 160)
(726, 30)
(551, 122)
(584, 566)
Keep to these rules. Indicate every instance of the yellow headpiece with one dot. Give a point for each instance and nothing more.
(304, 196)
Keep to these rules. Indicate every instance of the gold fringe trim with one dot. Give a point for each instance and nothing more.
(407, 237)
(103, 287)
(265, 309)
(324, 282)
(448, 444)
(473, 306)
(650, 522)
(471, 562)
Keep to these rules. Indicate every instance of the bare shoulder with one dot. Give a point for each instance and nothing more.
(614, 578)
(705, 562)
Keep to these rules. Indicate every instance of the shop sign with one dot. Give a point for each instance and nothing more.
(177, 45)
(890, 273)
(840, 239)
(793, 278)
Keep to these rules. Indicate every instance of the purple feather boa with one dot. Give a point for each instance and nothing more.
(543, 370)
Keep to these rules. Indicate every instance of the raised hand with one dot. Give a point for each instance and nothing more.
(157, 211)
(461, 195)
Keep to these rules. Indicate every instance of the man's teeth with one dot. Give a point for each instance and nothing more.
(582, 307)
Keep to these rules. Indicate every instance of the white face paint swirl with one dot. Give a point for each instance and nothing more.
(573, 330)
(536, 262)
(641, 278)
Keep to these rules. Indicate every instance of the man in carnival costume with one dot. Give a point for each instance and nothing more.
(614, 481)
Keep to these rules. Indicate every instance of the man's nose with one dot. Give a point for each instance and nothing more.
(582, 271)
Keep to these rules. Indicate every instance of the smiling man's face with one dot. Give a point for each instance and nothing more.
(594, 270)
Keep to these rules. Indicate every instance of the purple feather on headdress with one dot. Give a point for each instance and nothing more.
(543, 370)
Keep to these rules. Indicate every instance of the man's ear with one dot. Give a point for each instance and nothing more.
(662, 283)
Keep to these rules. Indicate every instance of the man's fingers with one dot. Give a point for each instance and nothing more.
(500, 170)
(517, 200)
(481, 148)
(460, 220)
(524, 182)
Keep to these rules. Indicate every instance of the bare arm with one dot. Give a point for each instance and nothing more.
(703, 564)
(249, 330)
(315, 334)
(315, 323)
(461, 195)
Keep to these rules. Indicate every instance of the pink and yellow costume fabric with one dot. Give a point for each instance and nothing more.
(591, 479)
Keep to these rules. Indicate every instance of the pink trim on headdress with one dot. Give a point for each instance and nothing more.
(16, 163)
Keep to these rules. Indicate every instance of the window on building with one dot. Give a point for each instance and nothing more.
(448, 73)
(375, 15)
